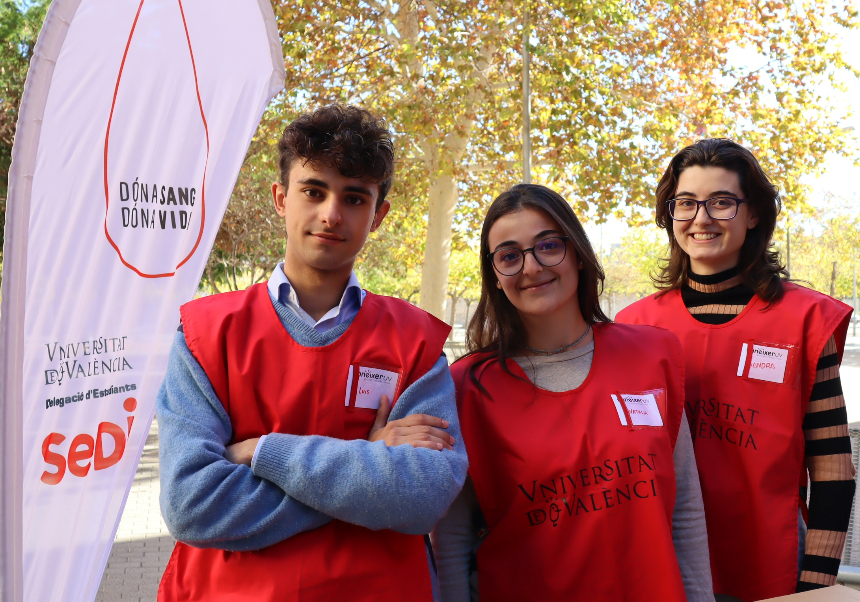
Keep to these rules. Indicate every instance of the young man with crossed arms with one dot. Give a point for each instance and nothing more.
(283, 474)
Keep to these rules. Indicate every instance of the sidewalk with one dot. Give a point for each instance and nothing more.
(142, 546)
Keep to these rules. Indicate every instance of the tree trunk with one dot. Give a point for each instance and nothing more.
(212, 281)
(466, 320)
(833, 281)
(437, 249)
(233, 268)
(453, 315)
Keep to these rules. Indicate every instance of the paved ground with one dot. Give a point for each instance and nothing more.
(143, 545)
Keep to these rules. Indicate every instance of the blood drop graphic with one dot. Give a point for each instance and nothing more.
(156, 146)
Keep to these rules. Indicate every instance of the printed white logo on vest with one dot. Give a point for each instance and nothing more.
(373, 383)
(768, 363)
(643, 409)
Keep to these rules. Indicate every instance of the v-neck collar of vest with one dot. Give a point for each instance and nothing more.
(368, 306)
(597, 331)
(688, 316)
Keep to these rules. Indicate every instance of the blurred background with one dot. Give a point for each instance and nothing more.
(613, 90)
(588, 97)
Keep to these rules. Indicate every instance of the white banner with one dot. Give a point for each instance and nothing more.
(134, 123)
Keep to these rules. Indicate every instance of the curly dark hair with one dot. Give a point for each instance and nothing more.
(344, 137)
(759, 263)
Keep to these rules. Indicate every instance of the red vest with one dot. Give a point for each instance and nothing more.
(748, 386)
(577, 494)
(268, 383)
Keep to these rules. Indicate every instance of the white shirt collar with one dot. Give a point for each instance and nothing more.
(350, 302)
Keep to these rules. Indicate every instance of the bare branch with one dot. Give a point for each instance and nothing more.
(503, 165)
(430, 6)
(387, 12)
(511, 85)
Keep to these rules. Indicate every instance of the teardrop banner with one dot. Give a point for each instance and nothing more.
(133, 126)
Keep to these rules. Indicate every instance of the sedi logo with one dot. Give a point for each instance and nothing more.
(84, 448)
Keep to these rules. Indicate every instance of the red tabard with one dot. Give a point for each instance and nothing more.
(268, 383)
(578, 505)
(748, 386)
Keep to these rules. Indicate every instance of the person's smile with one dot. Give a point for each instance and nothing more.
(538, 286)
(328, 238)
(703, 237)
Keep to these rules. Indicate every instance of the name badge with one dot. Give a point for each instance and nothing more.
(365, 386)
(639, 409)
(769, 362)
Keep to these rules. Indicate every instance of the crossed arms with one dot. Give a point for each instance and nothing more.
(299, 482)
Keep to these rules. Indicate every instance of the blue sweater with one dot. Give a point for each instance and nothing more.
(299, 482)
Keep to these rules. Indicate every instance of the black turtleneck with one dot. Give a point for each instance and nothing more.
(717, 298)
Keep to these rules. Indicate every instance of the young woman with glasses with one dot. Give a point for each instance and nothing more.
(583, 485)
(762, 366)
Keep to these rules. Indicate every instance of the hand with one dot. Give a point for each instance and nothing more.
(242, 452)
(417, 430)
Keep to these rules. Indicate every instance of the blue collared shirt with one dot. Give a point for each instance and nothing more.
(353, 296)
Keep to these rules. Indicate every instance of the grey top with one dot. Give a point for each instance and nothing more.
(561, 372)
(456, 536)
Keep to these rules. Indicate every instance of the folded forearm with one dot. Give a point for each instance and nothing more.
(370, 484)
(207, 501)
(208, 526)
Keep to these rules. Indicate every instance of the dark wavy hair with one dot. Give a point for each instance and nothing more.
(347, 138)
(495, 327)
(759, 264)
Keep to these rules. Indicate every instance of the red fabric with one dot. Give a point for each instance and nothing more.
(747, 432)
(269, 383)
(578, 506)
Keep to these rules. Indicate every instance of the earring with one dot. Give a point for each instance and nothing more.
(498, 284)
(580, 265)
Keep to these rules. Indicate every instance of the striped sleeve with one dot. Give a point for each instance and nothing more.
(831, 474)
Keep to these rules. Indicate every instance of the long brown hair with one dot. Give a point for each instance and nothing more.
(759, 264)
(495, 327)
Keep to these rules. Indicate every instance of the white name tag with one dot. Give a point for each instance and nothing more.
(643, 409)
(768, 363)
(372, 384)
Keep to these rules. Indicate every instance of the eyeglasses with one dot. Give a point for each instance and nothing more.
(720, 207)
(509, 261)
